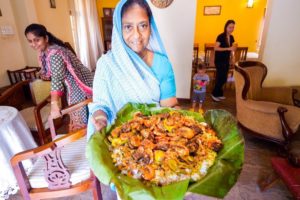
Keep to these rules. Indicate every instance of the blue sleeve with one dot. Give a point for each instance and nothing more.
(167, 84)
(101, 95)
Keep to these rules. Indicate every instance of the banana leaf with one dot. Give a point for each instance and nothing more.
(217, 182)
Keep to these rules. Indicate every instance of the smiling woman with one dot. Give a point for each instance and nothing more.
(136, 31)
(136, 69)
(66, 72)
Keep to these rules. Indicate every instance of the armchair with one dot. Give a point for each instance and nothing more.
(66, 169)
(267, 111)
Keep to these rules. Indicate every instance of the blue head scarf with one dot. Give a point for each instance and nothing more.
(122, 76)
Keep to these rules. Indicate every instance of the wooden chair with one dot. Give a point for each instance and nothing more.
(209, 56)
(195, 54)
(241, 54)
(36, 116)
(26, 73)
(209, 61)
(66, 169)
(15, 96)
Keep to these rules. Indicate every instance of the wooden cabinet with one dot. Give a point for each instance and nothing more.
(107, 26)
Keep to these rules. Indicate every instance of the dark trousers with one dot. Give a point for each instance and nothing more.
(221, 78)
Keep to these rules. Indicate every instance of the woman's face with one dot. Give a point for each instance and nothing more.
(230, 28)
(136, 28)
(36, 42)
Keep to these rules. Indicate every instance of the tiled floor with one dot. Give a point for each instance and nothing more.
(257, 165)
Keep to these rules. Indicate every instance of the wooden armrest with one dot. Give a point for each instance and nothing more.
(47, 148)
(64, 112)
(75, 107)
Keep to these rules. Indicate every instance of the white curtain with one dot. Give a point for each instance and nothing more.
(86, 31)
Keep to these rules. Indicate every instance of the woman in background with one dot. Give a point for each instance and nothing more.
(223, 52)
(67, 74)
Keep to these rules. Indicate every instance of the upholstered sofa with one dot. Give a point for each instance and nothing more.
(269, 112)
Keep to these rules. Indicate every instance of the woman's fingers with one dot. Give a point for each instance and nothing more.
(99, 124)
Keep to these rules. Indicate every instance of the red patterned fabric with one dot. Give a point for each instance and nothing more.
(289, 174)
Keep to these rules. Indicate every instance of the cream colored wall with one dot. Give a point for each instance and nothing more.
(24, 12)
(280, 49)
(11, 55)
(176, 25)
(56, 20)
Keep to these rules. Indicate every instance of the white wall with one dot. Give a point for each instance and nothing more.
(281, 43)
(11, 55)
(176, 25)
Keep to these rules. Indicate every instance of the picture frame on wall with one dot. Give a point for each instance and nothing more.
(107, 12)
(52, 3)
(212, 10)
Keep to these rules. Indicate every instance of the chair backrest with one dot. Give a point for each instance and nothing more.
(209, 56)
(26, 73)
(40, 90)
(66, 169)
(256, 72)
(15, 95)
(241, 54)
(195, 54)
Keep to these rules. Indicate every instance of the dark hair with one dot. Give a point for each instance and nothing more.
(200, 66)
(40, 30)
(227, 24)
(142, 3)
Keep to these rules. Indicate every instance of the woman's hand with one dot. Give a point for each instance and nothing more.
(99, 120)
(55, 110)
(171, 102)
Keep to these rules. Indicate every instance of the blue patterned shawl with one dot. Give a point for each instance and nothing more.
(122, 76)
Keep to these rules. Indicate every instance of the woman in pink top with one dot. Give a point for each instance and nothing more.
(67, 74)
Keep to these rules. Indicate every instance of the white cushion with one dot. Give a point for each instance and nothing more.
(73, 156)
(28, 115)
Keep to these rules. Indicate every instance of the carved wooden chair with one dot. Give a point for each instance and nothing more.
(66, 170)
(35, 109)
(15, 96)
(195, 54)
(26, 73)
(36, 116)
(241, 54)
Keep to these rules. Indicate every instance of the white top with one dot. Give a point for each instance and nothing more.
(15, 137)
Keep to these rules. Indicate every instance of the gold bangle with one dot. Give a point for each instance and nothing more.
(100, 117)
(53, 102)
